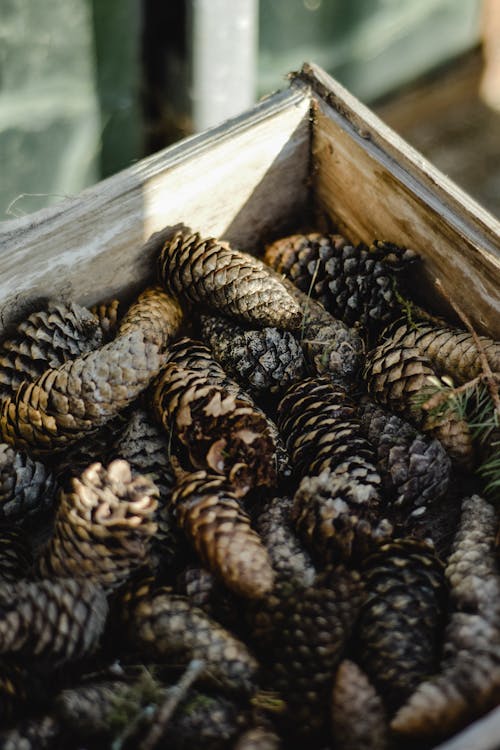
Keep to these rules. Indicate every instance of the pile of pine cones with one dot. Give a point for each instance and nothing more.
(229, 519)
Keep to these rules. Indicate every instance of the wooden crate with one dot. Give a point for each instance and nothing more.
(311, 153)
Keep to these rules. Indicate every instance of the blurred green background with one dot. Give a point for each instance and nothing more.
(89, 86)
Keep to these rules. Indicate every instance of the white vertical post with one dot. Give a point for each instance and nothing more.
(223, 38)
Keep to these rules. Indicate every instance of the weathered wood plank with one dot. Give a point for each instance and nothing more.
(239, 181)
(375, 185)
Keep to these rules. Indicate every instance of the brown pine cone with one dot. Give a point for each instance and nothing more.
(157, 315)
(46, 339)
(451, 351)
(108, 314)
(356, 284)
(358, 716)
(258, 738)
(226, 281)
(469, 682)
(415, 469)
(15, 556)
(302, 634)
(401, 620)
(64, 405)
(167, 627)
(27, 487)
(204, 722)
(261, 360)
(322, 432)
(39, 733)
(220, 531)
(93, 447)
(338, 516)
(53, 621)
(397, 377)
(289, 559)
(220, 431)
(103, 527)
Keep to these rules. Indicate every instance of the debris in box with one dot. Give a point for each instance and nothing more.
(229, 513)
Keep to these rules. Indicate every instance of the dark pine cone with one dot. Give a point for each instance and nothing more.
(220, 531)
(207, 722)
(319, 423)
(14, 691)
(226, 281)
(15, 556)
(290, 561)
(355, 284)
(414, 468)
(46, 339)
(469, 682)
(27, 487)
(167, 627)
(53, 621)
(266, 359)
(402, 618)
(302, 634)
(103, 526)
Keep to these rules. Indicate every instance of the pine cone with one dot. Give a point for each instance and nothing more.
(53, 621)
(415, 469)
(108, 314)
(261, 360)
(258, 738)
(338, 516)
(221, 430)
(15, 556)
(207, 592)
(220, 531)
(106, 707)
(358, 716)
(103, 526)
(289, 559)
(27, 487)
(165, 626)
(46, 339)
(146, 447)
(322, 432)
(227, 281)
(64, 405)
(155, 314)
(302, 635)
(355, 284)
(39, 733)
(207, 722)
(401, 620)
(94, 447)
(396, 377)
(469, 682)
(451, 351)
(330, 347)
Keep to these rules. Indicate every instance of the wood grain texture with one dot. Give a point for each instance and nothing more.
(373, 184)
(239, 181)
